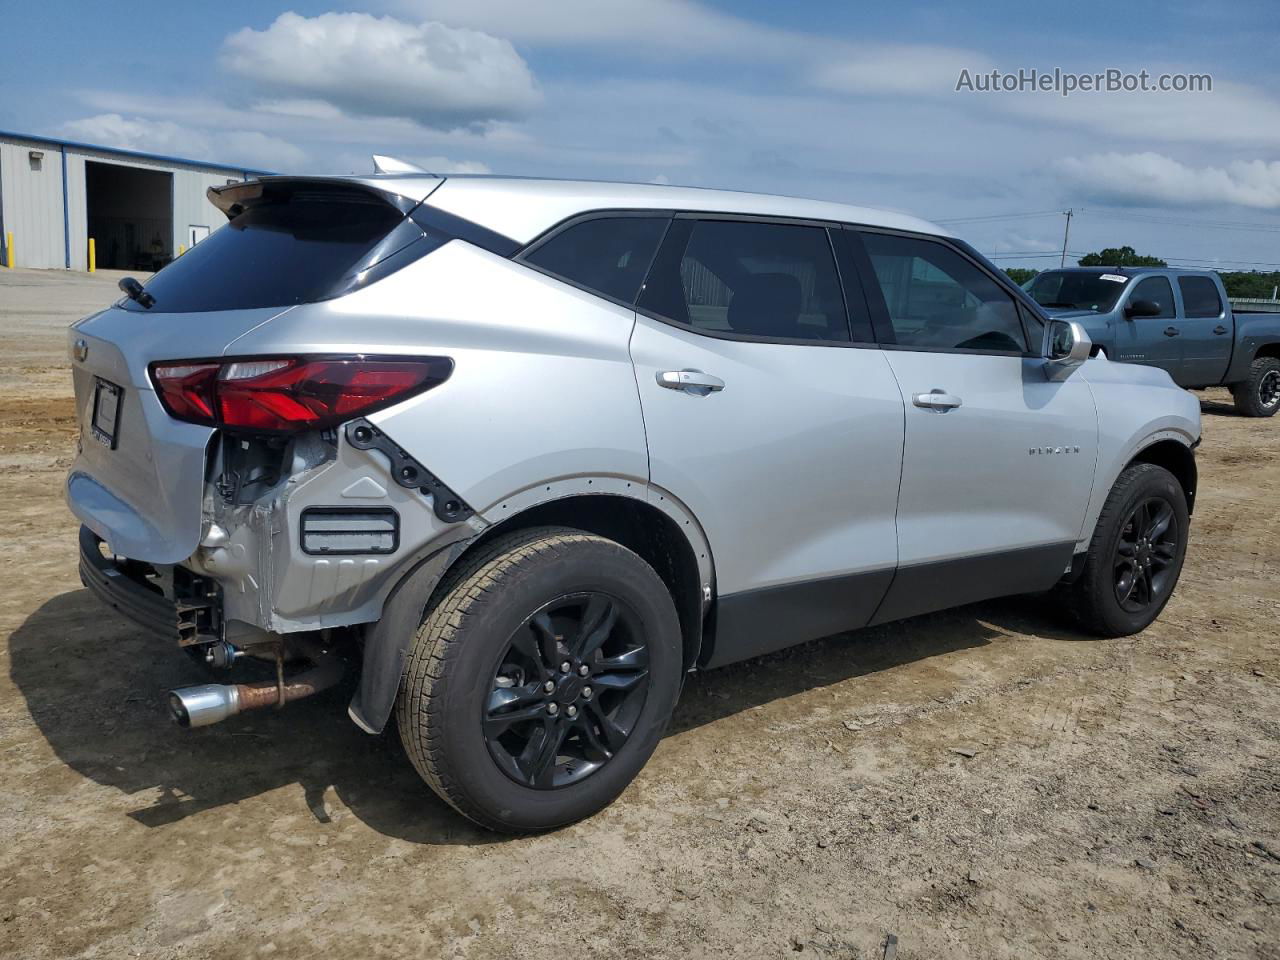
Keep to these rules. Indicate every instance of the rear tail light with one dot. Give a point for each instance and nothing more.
(288, 394)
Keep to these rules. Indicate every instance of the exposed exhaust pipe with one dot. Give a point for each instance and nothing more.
(211, 703)
(205, 704)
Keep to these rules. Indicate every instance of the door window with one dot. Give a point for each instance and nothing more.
(1157, 290)
(938, 300)
(1200, 297)
(607, 255)
(749, 278)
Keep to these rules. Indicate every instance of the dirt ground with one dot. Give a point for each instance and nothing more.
(982, 783)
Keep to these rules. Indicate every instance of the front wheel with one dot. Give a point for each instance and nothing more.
(541, 680)
(1136, 554)
(1259, 396)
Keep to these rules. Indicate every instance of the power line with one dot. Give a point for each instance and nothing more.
(1209, 224)
(1033, 254)
(1135, 217)
(1182, 261)
(1002, 216)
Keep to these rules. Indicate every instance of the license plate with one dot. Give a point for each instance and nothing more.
(106, 412)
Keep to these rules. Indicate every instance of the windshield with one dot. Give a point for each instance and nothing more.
(1066, 290)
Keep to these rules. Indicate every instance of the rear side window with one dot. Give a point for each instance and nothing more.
(938, 300)
(750, 278)
(1200, 297)
(607, 255)
(296, 246)
(1156, 289)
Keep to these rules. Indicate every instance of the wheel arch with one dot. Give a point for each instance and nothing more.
(1270, 349)
(656, 528)
(1178, 459)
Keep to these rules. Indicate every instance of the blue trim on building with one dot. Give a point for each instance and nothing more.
(66, 211)
(160, 157)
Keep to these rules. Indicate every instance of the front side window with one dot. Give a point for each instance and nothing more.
(749, 278)
(1200, 297)
(1157, 290)
(938, 300)
(607, 255)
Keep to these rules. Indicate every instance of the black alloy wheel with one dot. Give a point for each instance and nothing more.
(1269, 389)
(1145, 555)
(567, 691)
(1135, 555)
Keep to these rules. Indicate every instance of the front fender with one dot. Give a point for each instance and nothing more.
(1138, 407)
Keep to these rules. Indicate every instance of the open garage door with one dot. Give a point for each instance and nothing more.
(130, 216)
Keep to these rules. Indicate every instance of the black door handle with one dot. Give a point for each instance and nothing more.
(1219, 329)
(1170, 331)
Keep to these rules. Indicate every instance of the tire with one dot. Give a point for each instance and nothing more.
(473, 650)
(1096, 597)
(1259, 395)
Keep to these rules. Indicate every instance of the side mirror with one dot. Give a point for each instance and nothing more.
(1069, 347)
(1142, 308)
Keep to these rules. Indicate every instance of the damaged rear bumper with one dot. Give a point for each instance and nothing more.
(168, 602)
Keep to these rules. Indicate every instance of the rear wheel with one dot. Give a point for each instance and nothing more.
(1259, 396)
(1136, 554)
(541, 680)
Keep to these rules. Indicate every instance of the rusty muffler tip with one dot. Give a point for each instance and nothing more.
(203, 705)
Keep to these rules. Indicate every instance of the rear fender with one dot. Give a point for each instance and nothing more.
(387, 642)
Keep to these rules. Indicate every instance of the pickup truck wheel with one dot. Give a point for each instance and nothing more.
(1135, 555)
(1259, 396)
(541, 680)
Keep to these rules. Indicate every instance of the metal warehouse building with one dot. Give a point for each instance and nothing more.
(138, 208)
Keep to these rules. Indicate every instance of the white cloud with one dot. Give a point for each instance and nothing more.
(435, 75)
(249, 147)
(668, 28)
(311, 109)
(1232, 114)
(445, 165)
(929, 71)
(1154, 179)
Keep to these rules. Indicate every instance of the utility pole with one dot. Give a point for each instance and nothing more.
(1068, 213)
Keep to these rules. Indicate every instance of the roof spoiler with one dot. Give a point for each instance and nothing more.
(383, 164)
(234, 198)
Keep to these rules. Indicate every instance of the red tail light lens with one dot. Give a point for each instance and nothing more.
(288, 394)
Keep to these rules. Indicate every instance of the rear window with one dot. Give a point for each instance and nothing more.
(297, 246)
(1200, 297)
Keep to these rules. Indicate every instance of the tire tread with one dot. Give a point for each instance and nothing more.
(418, 712)
(1245, 393)
(1083, 598)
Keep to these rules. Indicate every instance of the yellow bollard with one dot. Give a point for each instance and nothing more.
(181, 249)
(93, 255)
(8, 249)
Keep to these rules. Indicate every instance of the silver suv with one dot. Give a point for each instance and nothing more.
(522, 453)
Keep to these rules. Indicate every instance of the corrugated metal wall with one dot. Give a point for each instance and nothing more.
(31, 200)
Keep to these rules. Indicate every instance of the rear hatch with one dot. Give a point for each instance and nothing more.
(138, 480)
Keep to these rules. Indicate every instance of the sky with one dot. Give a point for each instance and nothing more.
(854, 102)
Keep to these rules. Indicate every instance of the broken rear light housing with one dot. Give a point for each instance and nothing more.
(287, 394)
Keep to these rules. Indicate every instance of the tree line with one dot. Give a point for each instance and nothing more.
(1249, 284)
